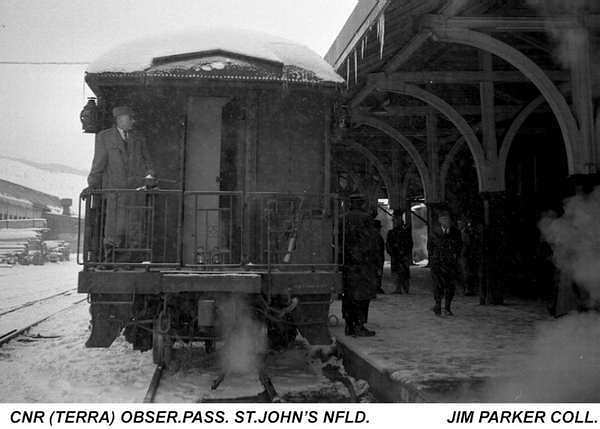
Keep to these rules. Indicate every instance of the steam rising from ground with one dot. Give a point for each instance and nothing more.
(563, 367)
(245, 339)
(575, 239)
(564, 362)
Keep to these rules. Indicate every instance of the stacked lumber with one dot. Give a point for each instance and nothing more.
(16, 241)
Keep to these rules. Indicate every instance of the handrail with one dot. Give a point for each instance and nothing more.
(241, 212)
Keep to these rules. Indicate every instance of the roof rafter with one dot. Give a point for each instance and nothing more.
(475, 77)
(504, 24)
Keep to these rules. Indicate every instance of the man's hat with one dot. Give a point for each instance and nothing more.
(357, 197)
(122, 110)
(444, 213)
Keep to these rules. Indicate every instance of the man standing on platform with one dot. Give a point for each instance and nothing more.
(120, 162)
(379, 253)
(445, 247)
(399, 244)
(360, 271)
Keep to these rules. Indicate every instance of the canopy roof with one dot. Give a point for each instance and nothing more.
(217, 54)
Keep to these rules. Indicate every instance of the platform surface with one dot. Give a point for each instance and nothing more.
(513, 352)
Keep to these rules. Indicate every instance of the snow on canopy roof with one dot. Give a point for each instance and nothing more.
(138, 56)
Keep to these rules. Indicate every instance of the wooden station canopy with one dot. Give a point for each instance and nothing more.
(427, 80)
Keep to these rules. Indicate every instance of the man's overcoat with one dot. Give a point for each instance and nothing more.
(120, 164)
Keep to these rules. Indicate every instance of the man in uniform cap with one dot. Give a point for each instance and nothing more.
(399, 244)
(444, 251)
(120, 161)
(360, 268)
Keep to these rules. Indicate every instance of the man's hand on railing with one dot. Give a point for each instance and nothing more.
(150, 182)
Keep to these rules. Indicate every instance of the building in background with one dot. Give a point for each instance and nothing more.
(19, 202)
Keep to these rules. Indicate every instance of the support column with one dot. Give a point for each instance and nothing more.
(433, 210)
(433, 154)
(493, 248)
(434, 203)
(488, 116)
(492, 235)
(581, 79)
(397, 199)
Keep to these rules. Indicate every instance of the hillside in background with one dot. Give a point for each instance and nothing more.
(54, 179)
(51, 167)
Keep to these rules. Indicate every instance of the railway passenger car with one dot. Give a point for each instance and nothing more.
(238, 128)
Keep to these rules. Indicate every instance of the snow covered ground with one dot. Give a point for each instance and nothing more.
(514, 352)
(23, 283)
(51, 364)
(43, 289)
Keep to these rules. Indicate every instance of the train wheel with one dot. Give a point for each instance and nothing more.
(161, 346)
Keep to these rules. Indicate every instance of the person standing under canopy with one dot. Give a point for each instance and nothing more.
(399, 245)
(360, 270)
(444, 253)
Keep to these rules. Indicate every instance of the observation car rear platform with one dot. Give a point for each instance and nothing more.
(238, 126)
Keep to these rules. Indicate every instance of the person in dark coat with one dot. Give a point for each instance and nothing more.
(399, 244)
(360, 274)
(445, 248)
(379, 253)
(120, 161)
(469, 262)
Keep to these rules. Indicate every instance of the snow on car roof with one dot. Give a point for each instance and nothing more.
(140, 55)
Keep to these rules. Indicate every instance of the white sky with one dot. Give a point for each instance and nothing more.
(40, 104)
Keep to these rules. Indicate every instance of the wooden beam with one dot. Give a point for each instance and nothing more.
(582, 95)
(361, 95)
(515, 127)
(407, 51)
(506, 110)
(488, 114)
(411, 132)
(433, 155)
(350, 144)
(398, 200)
(517, 59)
(534, 43)
(394, 63)
(338, 53)
(403, 141)
(461, 77)
(453, 116)
(453, 7)
(512, 24)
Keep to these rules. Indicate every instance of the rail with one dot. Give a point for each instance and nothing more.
(208, 230)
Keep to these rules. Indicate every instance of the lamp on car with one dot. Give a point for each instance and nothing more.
(90, 116)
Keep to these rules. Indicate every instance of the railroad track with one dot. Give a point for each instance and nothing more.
(151, 392)
(10, 335)
(35, 301)
(268, 395)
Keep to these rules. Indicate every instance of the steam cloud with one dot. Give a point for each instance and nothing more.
(564, 360)
(245, 339)
(575, 239)
(570, 42)
(561, 367)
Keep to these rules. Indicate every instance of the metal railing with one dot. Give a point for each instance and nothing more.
(210, 230)
(298, 230)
